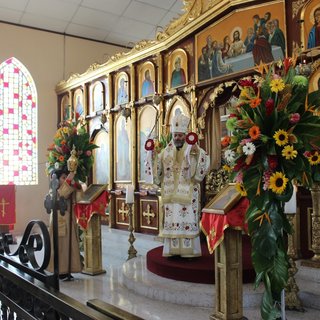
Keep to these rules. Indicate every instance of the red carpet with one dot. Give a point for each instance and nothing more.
(199, 270)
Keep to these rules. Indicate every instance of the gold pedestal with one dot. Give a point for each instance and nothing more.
(92, 247)
(315, 218)
(228, 277)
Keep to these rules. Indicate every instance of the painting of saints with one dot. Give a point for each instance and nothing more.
(79, 106)
(98, 97)
(123, 151)
(65, 108)
(102, 160)
(314, 34)
(147, 88)
(178, 76)
(122, 91)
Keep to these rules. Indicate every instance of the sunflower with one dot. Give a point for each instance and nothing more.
(281, 137)
(240, 188)
(278, 182)
(289, 153)
(314, 159)
(277, 85)
(254, 132)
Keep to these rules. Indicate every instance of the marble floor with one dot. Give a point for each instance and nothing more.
(124, 285)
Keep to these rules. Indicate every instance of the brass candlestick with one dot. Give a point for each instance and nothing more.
(132, 252)
(292, 289)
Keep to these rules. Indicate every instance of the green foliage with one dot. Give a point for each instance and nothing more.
(71, 134)
(274, 143)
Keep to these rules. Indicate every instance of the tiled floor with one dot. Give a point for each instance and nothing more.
(110, 287)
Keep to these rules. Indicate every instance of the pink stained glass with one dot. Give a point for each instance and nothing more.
(18, 123)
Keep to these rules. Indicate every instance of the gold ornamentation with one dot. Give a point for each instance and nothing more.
(123, 212)
(216, 180)
(212, 102)
(292, 289)
(193, 9)
(72, 162)
(315, 218)
(296, 6)
(149, 214)
(3, 204)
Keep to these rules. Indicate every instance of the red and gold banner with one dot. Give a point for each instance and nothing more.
(213, 225)
(7, 205)
(84, 212)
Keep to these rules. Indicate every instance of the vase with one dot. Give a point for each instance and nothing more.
(315, 221)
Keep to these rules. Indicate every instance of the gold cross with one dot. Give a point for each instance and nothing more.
(4, 203)
(123, 212)
(149, 214)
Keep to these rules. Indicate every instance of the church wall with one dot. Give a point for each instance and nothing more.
(201, 94)
(48, 61)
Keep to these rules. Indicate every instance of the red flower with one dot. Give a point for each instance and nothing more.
(286, 64)
(269, 106)
(272, 162)
(246, 83)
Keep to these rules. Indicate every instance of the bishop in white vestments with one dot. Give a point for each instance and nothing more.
(180, 168)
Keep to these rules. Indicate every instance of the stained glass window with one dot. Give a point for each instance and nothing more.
(18, 125)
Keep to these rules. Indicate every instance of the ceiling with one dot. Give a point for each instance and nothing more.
(119, 22)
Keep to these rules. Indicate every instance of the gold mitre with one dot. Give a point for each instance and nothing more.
(180, 123)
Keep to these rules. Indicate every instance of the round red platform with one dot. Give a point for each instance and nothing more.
(199, 270)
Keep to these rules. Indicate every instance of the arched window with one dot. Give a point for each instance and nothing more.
(18, 125)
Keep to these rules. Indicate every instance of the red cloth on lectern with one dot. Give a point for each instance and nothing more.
(213, 225)
(7, 205)
(84, 212)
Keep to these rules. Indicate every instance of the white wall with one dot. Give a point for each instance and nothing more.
(43, 54)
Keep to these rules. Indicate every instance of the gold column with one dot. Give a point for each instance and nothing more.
(315, 219)
(92, 247)
(228, 277)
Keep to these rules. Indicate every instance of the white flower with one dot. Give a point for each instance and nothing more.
(229, 155)
(56, 165)
(249, 148)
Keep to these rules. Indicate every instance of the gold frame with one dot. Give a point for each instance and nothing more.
(92, 193)
(307, 22)
(142, 69)
(229, 194)
(314, 81)
(156, 133)
(215, 29)
(95, 151)
(119, 118)
(141, 213)
(63, 106)
(178, 53)
(78, 93)
(119, 76)
(93, 109)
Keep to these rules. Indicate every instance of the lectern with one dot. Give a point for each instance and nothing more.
(88, 210)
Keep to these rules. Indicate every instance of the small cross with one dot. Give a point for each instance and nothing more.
(4, 203)
(149, 214)
(123, 212)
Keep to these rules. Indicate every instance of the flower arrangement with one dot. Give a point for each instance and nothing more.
(160, 144)
(71, 134)
(273, 138)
